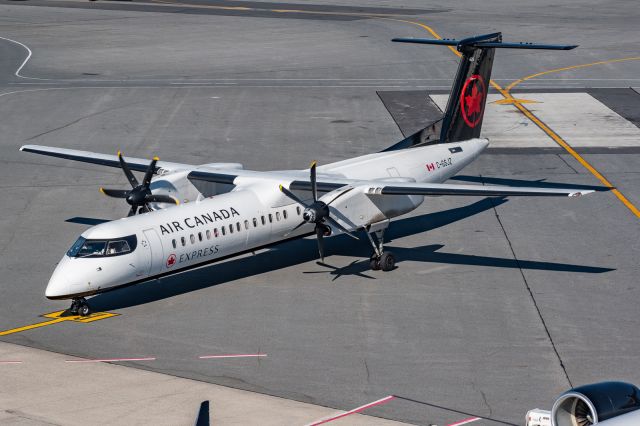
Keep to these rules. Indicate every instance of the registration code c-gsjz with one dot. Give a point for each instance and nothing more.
(445, 162)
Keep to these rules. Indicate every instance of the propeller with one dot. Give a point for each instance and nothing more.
(318, 212)
(140, 195)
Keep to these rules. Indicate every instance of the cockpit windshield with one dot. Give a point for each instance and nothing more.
(102, 248)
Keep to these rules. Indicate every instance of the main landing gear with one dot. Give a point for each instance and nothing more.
(79, 306)
(380, 259)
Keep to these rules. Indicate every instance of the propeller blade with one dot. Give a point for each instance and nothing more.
(314, 187)
(161, 199)
(339, 195)
(132, 211)
(291, 195)
(115, 193)
(334, 223)
(320, 235)
(297, 226)
(149, 173)
(127, 171)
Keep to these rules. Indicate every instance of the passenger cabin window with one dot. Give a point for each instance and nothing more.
(284, 213)
(173, 243)
(246, 224)
(208, 234)
(238, 226)
(199, 236)
(193, 239)
(255, 222)
(298, 210)
(231, 228)
(224, 232)
(215, 232)
(270, 218)
(101, 248)
(183, 241)
(278, 216)
(263, 221)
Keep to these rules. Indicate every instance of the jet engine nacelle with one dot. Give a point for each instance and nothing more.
(597, 404)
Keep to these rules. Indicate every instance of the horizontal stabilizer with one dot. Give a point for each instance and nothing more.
(477, 42)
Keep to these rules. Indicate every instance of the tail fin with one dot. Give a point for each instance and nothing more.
(465, 109)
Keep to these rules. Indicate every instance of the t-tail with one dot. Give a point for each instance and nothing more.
(462, 119)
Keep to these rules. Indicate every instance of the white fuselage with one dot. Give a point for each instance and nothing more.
(253, 215)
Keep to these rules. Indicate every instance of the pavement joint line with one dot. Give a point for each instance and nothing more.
(10, 362)
(56, 317)
(532, 297)
(380, 401)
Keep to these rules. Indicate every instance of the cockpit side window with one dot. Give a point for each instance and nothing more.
(117, 247)
(102, 248)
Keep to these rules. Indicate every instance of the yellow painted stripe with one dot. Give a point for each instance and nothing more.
(572, 67)
(32, 326)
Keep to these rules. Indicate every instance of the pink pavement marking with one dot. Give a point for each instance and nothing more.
(232, 356)
(465, 421)
(354, 411)
(111, 360)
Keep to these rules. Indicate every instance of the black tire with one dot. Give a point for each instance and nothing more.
(84, 310)
(374, 263)
(387, 261)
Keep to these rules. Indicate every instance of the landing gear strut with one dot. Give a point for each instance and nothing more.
(79, 306)
(380, 259)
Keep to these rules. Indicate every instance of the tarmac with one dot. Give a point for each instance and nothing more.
(497, 305)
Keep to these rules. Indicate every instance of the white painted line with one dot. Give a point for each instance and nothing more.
(354, 411)
(10, 362)
(29, 53)
(110, 360)
(465, 421)
(232, 356)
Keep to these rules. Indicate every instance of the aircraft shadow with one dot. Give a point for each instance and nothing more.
(305, 250)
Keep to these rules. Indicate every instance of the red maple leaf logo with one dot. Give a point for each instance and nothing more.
(471, 100)
(474, 101)
(171, 260)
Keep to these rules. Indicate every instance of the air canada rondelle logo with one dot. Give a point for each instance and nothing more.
(171, 260)
(472, 100)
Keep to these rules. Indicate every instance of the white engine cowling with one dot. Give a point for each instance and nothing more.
(598, 403)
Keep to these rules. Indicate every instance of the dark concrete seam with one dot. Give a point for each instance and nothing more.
(533, 299)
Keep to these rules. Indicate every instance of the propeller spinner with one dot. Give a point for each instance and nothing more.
(140, 195)
(318, 212)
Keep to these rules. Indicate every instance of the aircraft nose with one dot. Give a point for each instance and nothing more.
(58, 286)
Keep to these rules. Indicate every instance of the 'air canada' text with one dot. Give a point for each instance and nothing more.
(198, 220)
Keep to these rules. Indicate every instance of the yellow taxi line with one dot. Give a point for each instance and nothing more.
(31, 326)
(57, 317)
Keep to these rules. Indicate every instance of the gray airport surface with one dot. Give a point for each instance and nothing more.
(497, 305)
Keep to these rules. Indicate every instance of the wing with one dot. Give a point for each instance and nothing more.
(375, 188)
(137, 164)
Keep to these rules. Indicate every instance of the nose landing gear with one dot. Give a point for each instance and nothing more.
(79, 306)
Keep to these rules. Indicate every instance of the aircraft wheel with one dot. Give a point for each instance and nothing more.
(84, 310)
(387, 261)
(374, 263)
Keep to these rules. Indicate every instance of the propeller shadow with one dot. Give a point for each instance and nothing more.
(301, 251)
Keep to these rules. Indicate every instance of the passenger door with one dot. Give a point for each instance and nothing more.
(153, 246)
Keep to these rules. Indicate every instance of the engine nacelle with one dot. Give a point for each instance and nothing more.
(595, 403)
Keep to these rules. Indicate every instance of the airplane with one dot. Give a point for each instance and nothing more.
(189, 216)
